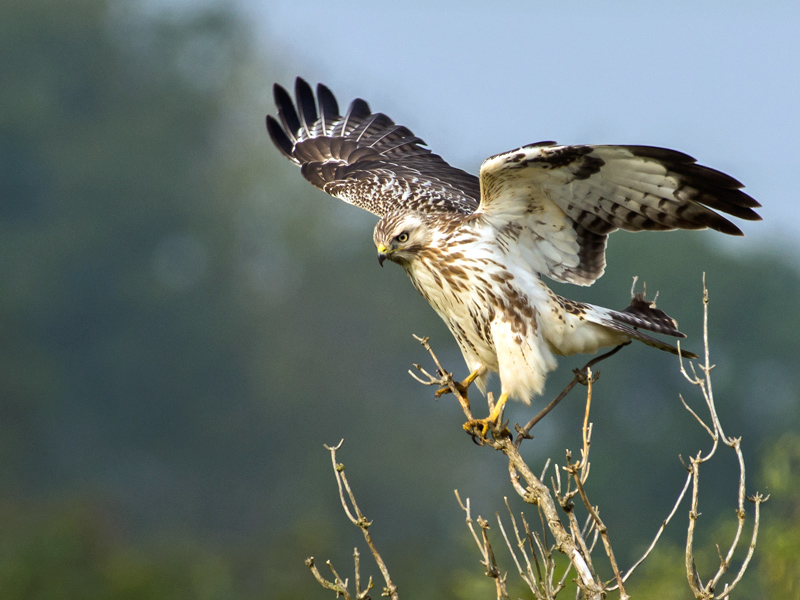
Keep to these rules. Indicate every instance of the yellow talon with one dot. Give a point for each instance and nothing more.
(492, 419)
(462, 387)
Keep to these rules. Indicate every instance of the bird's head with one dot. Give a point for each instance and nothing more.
(399, 236)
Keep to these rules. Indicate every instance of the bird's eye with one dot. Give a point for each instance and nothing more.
(402, 238)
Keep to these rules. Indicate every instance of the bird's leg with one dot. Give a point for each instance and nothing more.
(492, 419)
(473, 376)
(462, 387)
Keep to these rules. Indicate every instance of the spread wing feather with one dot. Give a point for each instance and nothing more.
(364, 158)
(557, 204)
(571, 197)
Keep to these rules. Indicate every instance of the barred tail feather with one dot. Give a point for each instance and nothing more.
(646, 339)
(642, 314)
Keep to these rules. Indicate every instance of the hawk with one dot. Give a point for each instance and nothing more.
(477, 248)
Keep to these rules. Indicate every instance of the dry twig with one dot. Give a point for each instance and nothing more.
(358, 519)
(485, 548)
(713, 427)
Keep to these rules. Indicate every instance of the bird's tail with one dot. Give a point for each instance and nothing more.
(642, 314)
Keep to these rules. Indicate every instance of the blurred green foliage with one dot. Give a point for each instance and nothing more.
(185, 322)
(779, 567)
(73, 551)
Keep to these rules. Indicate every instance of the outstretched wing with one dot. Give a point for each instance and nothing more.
(561, 202)
(364, 158)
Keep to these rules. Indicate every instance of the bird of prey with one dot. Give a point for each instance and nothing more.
(477, 248)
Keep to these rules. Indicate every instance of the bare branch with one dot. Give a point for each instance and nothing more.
(758, 500)
(485, 548)
(527, 575)
(360, 593)
(586, 430)
(358, 519)
(445, 380)
(717, 434)
(337, 469)
(574, 470)
(580, 377)
(691, 571)
(709, 431)
(660, 529)
(338, 586)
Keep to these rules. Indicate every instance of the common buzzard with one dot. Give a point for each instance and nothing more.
(477, 247)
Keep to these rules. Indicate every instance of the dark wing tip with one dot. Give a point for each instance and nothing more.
(279, 137)
(306, 104)
(707, 187)
(286, 111)
(328, 107)
(719, 223)
(732, 230)
(281, 96)
(359, 109)
(754, 203)
(356, 112)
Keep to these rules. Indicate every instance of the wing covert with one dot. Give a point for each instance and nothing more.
(572, 197)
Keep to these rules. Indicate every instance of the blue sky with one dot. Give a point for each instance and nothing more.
(717, 80)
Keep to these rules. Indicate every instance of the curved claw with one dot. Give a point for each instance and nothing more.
(492, 420)
(473, 425)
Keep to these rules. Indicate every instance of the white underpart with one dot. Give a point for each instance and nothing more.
(582, 334)
(522, 361)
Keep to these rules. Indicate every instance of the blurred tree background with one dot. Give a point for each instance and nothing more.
(185, 322)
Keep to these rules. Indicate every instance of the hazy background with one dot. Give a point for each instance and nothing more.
(185, 321)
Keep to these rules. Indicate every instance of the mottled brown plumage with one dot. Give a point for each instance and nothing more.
(477, 247)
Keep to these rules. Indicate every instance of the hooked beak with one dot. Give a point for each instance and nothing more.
(383, 252)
